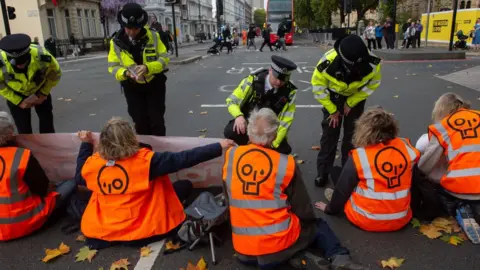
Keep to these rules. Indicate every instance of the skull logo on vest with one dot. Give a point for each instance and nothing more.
(465, 122)
(253, 168)
(391, 164)
(2, 168)
(113, 180)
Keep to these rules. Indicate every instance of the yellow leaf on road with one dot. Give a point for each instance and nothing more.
(60, 98)
(316, 147)
(190, 112)
(392, 263)
(51, 254)
(190, 266)
(202, 136)
(429, 66)
(455, 240)
(203, 113)
(443, 224)
(121, 264)
(202, 130)
(299, 161)
(304, 262)
(415, 223)
(463, 236)
(171, 246)
(85, 253)
(396, 96)
(81, 238)
(430, 231)
(201, 264)
(145, 251)
(64, 249)
(68, 99)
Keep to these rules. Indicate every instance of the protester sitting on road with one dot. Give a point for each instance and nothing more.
(28, 198)
(271, 213)
(451, 157)
(132, 196)
(374, 186)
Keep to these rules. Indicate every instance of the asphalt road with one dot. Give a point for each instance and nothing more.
(88, 96)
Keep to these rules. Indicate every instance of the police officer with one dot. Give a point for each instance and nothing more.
(28, 75)
(268, 88)
(138, 60)
(344, 78)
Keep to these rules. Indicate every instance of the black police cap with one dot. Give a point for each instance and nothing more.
(15, 45)
(282, 67)
(132, 15)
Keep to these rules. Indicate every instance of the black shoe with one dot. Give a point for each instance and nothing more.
(306, 260)
(344, 262)
(321, 181)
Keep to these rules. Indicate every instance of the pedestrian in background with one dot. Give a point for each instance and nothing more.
(369, 35)
(389, 33)
(379, 35)
(405, 26)
(138, 60)
(344, 78)
(476, 35)
(410, 35)
(251, 37)
(20, 58)
(266, 38)
(418, 32)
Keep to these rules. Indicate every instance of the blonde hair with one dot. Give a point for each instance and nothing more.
(374, 126)
(447, 104)
(117, 140)
(7, 128)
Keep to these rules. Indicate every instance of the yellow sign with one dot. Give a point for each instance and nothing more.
(440, 24)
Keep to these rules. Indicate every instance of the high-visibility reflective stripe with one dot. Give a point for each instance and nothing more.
(115, 70)
(155, 41)
(375, 82)
(288, 114)
(444, 135)
(113, 64)
(387, 196)
(293, 98)
(264, 230)
(365, 165)
(464, 149)
(410, 151)
(258, 204)
(463, 173)
(228, 179)
(318, 88)
(14, 179)
(235, 99)
(117, 52)
(366, 214)
(6, 77)
(281, 172)
(245, 84)
(162, 61)
(320, 96)
(367, 90)
(284, 124)
(25, 216)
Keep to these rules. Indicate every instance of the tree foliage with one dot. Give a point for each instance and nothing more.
(110, 8)
(259, 17)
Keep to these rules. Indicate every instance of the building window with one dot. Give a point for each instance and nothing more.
(469, 4)
(92, 25)
(51, 22)
(462, 5)
(68, 22)
(87, 23)
(80, 22)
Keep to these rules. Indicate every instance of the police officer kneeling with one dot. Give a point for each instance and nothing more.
(264, 89)
(28, 75)
(271, 213)
(344, 78)
(138, 60)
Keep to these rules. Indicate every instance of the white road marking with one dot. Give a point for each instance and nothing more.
(224, 106)
(82, 59)
(146, 263)
(270, 63)
(70, 70)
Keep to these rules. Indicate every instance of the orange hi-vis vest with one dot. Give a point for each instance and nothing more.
(21, 212)
(125, 205)
(381, 200)
(255, 179)
(459, 135)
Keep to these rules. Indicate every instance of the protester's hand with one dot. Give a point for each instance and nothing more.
(128, 74)
(346, 109)
(334, 119)
(85, 136)
(226, 143)
(25, 105)
(141, 70)
(240, 125)
(321, 205)
(40, 100)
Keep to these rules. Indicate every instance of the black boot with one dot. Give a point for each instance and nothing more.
(321, 181)
(344, 262)
(306, 260)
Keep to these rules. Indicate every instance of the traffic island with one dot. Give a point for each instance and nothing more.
(182, 60)
(419, 54)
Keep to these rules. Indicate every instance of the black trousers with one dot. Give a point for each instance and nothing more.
(23, 117)
(266, 42)
(390, 40)
(370, 42)
(229, 46)
(418, 38)
(379, 42)
(146, 105)
(242, 139)
(411, 42)
(330, 135)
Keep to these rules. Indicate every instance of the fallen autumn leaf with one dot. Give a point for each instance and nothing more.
(443, 224)
(202, 130)
(201, 264)
(415, 223)
(299, 161)
(204, 113)
(85, 253)
(68, 99)
(145, 251)
(54, 253)
(430, 231)
(190, 112)
(396, 96)
(121, 264)
(455, 240)
(81, 238)
(202, 136)
(60, 98)
(392, 262)
(316, 147)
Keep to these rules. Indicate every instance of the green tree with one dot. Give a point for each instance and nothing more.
(259, 17)
(362, 6)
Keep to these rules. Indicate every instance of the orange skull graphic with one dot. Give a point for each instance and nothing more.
(391, 164)
(253, 168)
(113, 180)
(465, 122)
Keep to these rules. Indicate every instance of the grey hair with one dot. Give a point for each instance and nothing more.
(7, 128)
(262, 133)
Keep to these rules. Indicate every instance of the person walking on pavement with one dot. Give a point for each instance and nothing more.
(251, 37)
(405, 26)
(344, 78)
(265, 88)
(282, 29)
(418, 32)
(389, 33)
(370, 36)
(266, 38)
(138, 60)
(19, 58)
(227, 39)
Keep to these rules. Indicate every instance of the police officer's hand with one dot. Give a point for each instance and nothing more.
(334, 119)
(141, 70)
(226, 143)
(25, 105)
(346, 109)
(85, 136)
(240, 125)
(40, 100)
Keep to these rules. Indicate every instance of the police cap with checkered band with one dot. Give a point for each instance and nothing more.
(17, 47)
(132, 15)
(282, 68)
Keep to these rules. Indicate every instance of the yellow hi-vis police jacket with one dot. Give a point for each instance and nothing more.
(154, 57)
(15, 86)
(356, 91)
(244, 93)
